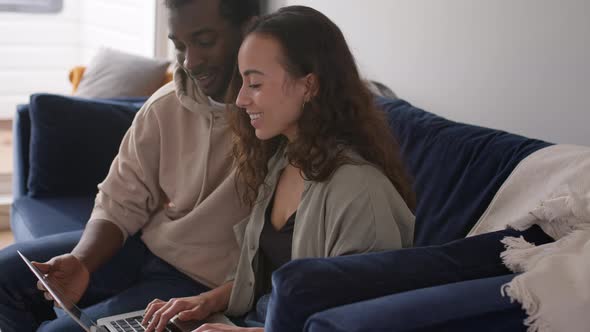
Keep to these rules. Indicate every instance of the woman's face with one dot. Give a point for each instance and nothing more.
(271, 97)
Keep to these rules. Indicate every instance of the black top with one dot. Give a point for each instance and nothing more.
(275, 245)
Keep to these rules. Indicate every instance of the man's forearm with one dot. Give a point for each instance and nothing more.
(100, 241)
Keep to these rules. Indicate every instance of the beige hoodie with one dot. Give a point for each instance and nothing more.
(172, 180)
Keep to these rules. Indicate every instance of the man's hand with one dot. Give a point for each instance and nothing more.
(227, 328)
(158, 313)
(68, 274)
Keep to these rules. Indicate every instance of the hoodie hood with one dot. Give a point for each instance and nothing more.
(189, 94)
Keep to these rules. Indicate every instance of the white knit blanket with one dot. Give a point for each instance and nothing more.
(550, 188)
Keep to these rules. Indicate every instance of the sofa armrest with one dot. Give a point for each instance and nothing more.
(474, 305)
(21, 132)
(305, 286)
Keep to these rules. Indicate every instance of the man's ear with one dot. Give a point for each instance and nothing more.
(247, 24)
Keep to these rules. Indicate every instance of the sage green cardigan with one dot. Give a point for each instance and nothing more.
(357, 210)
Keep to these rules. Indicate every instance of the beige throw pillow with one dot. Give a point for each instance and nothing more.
(113, 74)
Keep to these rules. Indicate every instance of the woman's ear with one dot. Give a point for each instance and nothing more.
(311, 86)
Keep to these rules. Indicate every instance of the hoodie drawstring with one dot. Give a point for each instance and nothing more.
(206, 174)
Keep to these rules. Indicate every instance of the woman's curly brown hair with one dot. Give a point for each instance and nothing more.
(341, 116)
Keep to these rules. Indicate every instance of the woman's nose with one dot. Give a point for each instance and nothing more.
(242, 100)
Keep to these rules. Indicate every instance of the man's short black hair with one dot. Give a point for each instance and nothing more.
(236, 11)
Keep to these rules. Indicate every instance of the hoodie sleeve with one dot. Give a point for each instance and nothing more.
(131, 193)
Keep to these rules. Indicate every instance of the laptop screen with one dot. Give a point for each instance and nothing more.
(64, 304)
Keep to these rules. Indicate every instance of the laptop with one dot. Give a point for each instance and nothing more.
(128, 322)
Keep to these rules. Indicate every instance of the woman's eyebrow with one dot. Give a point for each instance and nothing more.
(249, 72)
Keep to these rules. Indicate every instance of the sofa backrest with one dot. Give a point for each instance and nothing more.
(457, 168)
(63, 146)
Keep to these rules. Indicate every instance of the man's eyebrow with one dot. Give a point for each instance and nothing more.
(249, 72)
(194, 34)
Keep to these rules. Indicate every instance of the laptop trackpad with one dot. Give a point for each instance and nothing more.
(193, 324)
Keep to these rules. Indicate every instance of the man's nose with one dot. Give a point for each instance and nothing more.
(193, 59)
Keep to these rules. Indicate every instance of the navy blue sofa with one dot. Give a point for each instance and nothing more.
(457, 169)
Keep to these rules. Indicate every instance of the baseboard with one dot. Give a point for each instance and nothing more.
(5, 184)
(5, 202)
(5, 124)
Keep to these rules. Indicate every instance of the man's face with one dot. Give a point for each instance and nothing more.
(207, 45)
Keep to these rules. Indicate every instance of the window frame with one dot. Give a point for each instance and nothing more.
(31, 6)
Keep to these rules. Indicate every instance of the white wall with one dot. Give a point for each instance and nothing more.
(35, 53)
(37, 50)
(516, 65)
(126, 25)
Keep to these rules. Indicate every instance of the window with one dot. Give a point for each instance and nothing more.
(31, 6)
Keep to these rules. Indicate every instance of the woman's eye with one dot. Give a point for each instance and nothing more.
(254, 86)
(207, 40)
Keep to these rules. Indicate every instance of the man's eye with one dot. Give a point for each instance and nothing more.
(179, 47)
(206, 42)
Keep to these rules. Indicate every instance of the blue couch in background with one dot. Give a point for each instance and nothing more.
(64, 146)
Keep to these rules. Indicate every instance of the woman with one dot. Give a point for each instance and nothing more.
(316, 158)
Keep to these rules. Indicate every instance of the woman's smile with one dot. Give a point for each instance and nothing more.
(254, 118)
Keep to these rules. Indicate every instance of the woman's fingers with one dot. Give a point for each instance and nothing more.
(151, 308)
(164, 312)
(174, 308)
(158, 313)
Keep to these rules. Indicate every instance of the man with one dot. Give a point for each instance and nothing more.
(163, 218)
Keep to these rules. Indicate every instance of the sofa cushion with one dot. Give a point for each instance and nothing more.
(73, 142)
(32, 218)
(457, 168)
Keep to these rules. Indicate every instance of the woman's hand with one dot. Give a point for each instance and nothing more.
(158, 313)
(227, 328)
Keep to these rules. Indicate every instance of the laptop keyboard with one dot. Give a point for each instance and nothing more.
(131, 324)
